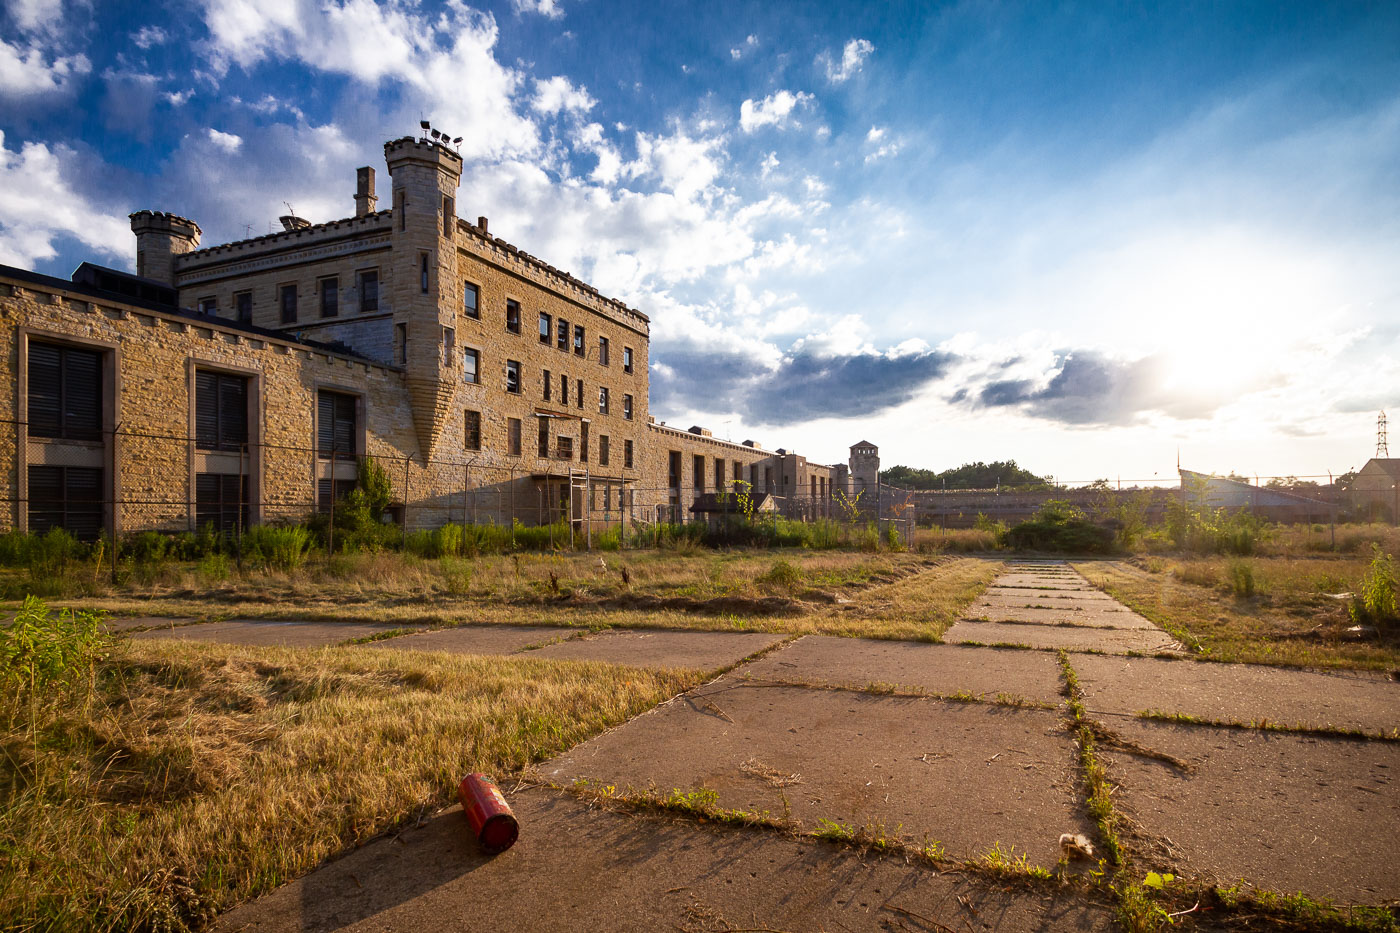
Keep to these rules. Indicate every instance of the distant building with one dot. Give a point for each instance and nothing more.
(1376, 490)
(1274, 504)
(240, 383)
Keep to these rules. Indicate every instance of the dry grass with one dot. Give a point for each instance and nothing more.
(871, 596)
(203, 775)
(1291, 619)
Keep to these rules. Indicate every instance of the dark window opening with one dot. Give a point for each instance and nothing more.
(578, 396)
(673, 471)
(627, 454)
(546, 324)
(513, 376)
(627, 407)
(220, 411)
(562, 333)
(602, 450)
(583, 442)
(66, 497)
(566, 448)
(548, 384)
(578, 340)
(330, 297)
(627, 359)
(369, 290)
(563, 389)
(423, 273)
(221, 500)
(470, 296)
(544, 437)
(473, 430)
(513, 316)
(287, 298)
(336, 425)
(513, 436)
(65, 392)
(243, 307)
(697, 469)
(328, 489)
(603, 351)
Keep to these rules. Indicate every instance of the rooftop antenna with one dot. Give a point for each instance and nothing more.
(247, 231)
(1382, 451)
(290, 210)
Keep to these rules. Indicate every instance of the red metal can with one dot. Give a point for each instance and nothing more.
(488, 814)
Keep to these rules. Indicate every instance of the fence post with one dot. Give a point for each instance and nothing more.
(238, 524)
(406, 461)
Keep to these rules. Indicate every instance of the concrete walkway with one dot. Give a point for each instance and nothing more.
(1048, 604)
(968, 750)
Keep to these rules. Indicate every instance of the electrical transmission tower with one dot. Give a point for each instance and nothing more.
(1382, 451)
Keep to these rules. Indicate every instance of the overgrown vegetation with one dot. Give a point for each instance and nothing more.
(167, 780)
(998, 474)
(1060, 527)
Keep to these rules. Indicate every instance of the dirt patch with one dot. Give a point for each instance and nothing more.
(970, 776)
(1282, 812)
(580, 868)
(662, 648)
(919, 666)
(476, 639)
(1241, 693)
(259, 632)
(1071, 637)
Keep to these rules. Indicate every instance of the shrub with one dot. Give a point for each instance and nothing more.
(50, 555)
(782, 574)
(1059, 526)
(1377, 602)
(42, 656)
(279, 547)
(14, 549)
(1242, 578)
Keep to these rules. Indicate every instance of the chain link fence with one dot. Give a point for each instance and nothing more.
(134, 481)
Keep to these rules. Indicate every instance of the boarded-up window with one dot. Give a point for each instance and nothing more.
(65, 392)
(513, 436)
(220, 411)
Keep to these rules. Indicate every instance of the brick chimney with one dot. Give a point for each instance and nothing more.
(364, 191)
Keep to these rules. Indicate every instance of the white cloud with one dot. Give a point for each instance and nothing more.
(557, 94)
(36, 15)
(40, 206)
(853, 58)
(225, 141)
(738, 51)
(773, 110)
(28, 71)
(179, 98)
(444, 62)
(148, 36)
(875, 135)
(549, 9)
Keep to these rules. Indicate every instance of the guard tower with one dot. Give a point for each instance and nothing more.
(865, 469)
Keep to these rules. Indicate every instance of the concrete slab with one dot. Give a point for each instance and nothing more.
(143, 622)
(662, 648)
(921, 666)
(1071, 637)
(1283, 812)
(581, 868)
(1023, 597)
(1099, 617)
(968, 775)
(1038, 582)
(476, 639)
(262, 632)
(1242, 693)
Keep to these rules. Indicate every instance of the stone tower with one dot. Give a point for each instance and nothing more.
(424, 279)
(865, 470)
(160, 237)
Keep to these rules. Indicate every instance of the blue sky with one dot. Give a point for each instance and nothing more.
(1084, 236)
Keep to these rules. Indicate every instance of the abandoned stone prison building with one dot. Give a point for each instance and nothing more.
(239, 384)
